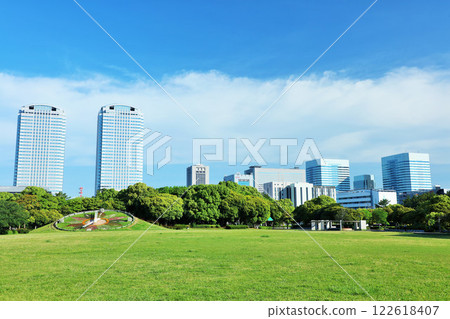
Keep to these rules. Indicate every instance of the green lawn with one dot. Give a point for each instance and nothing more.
(218, 264)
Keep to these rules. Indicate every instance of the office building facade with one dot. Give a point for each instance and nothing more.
(365, 198)
(281, 175)
(120, 154)
(364, 182)
(329, 172)
(407, 172)
(298, 193)
(40, 147)
(241, 179)
(197, 175)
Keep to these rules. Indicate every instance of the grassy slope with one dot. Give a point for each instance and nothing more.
(224, 265)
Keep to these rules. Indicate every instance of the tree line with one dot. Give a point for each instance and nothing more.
(222, 204)
(428, 211)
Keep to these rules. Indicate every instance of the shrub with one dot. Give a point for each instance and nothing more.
(23, 231)
(236, 227)
(180, 226)
(205, 226)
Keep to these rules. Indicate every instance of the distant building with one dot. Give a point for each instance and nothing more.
(16, 189)
(329, 172)
(241, 179)
(119, 164)
(197, 175)
(407, 172)
(329, 191)
(275, 189)
(436, 190)
(364, 182)
(40, 146)
(265, 175)
(298, 193)
(365, 198)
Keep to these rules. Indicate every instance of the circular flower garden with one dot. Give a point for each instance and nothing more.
(95, 220)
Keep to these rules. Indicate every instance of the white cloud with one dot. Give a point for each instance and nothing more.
(362, 120)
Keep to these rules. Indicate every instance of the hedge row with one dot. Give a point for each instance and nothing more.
(236, 227)
(205, 226)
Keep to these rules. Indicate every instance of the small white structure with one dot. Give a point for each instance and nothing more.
(337, 224)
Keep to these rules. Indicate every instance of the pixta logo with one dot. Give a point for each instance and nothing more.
(150, 142)
(308, 151)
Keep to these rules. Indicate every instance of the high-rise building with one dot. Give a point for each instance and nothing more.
(197, 175)
(262, 175)
(406, 172)
(364, 182)
(41, 138)
(329, 172)
(241, 179)
(120, 153)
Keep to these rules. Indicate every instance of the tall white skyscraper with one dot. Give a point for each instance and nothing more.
(197, 175)
(120, 154)
(41, 137)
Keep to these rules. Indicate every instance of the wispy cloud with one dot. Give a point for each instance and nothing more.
(362, 120)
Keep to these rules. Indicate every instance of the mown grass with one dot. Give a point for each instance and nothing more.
(218, 264)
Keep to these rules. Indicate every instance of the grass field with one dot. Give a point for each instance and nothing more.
(218, 264)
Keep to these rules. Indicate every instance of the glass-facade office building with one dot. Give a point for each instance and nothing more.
(120, 154)
(40, 146)
(364, 182)
(406, 172)
(329, 172)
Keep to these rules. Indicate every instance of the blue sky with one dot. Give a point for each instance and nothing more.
(226, 61)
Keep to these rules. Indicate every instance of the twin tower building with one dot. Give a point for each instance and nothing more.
(41, 139)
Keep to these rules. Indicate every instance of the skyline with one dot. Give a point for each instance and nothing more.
(381, 90)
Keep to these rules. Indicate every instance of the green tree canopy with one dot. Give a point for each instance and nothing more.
(12, 215)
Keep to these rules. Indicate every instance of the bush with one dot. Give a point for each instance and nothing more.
(180, 226)
(23, 231)
(205, 226)
(236, 227)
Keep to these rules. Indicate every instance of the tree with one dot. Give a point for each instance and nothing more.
(165, 208)
(360, 214)
(134, 198)
(311, 209)
(229, 207)
(379, 216)
(43, 217)
(383, 203)
(11, 215)
(174, 190)
(7, 196)
(397, 214)
(255, 211)
(281, 210)
(434, 218)
(202, 202)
